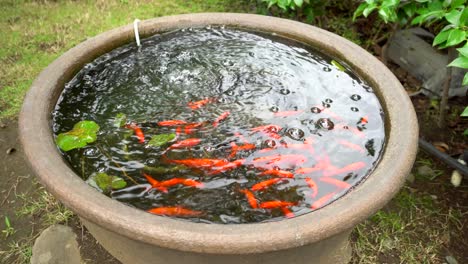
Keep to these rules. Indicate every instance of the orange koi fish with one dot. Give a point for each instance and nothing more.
(250, 198)
(186, 143)
(364, 120)
(331, 113)
(282, 161)
(354, 130)
(138, 132)
(199, 163)
(313, 186)
(276, 204)
(241, 137)
(264, 184)
(235, 148)
(174, 211)
(340, 184)
(287, 213)
(190, 128)
(270, 130)
(221, 118)
(226, 167)
(186, 182)
(308, 170)
(278, 173)
(348, 168)
(322, 201)
(154, 183)
(201, 103)
(267, 128)
(351, 145)
(172, 123)
(287, 113)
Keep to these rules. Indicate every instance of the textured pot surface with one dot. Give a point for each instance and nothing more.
(112, 220)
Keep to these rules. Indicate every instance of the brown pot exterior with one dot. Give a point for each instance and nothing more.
(110, 220)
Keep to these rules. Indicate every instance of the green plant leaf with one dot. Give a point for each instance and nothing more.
(456, 3)
(159, 140)
(464, 17)
(384, 13)
(83, 132)
(465, 79)
(409, 9)
(299, 2)
(453, 17)
(358, 12)
(456, 36)
(464, 50)
(369, 9)
(7, 222)
(465, 133)
(465, 112)
(338, 65)
(390, 3)
(120, 119)
(441, 37)
(460, 62)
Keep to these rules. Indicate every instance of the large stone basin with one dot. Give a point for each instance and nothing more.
(134, 236)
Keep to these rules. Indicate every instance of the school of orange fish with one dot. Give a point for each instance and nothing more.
(276, 166)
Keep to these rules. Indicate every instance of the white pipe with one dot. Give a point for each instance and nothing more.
(135, 28)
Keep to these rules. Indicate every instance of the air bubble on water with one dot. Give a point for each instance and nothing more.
(228, 63)
(274, 109)
(328, 101)
(354, 109)
(315, 110)
(230, 92)
(325, 123)
(355, 97)
(295, 133)
(151, 162)
(251, 54)
(90, 152)
(326, 105)
(285, 91)
(269, 143)
(327, 69)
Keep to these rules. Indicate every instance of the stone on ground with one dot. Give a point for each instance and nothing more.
(56, 245)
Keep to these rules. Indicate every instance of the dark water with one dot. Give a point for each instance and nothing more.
(326, 119)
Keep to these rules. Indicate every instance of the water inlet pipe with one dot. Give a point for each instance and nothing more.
(135, 29)
(427, 147)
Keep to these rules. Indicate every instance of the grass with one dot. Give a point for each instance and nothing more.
(43, 210)
(399, 233)
(34, 33)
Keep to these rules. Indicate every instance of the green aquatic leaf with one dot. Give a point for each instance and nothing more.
(83, 132)
(465, 112)
(338, 65)
(159, 140)
(118, 183)
(120, 120)
(106, 182)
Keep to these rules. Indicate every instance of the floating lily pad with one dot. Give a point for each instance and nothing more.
(106, 182)
(338, 65)
(83, 133)
(120, 120)
(159, 140)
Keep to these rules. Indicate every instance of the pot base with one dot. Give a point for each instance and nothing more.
(335, 249)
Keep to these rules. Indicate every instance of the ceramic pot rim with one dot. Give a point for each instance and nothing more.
(343, 214)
